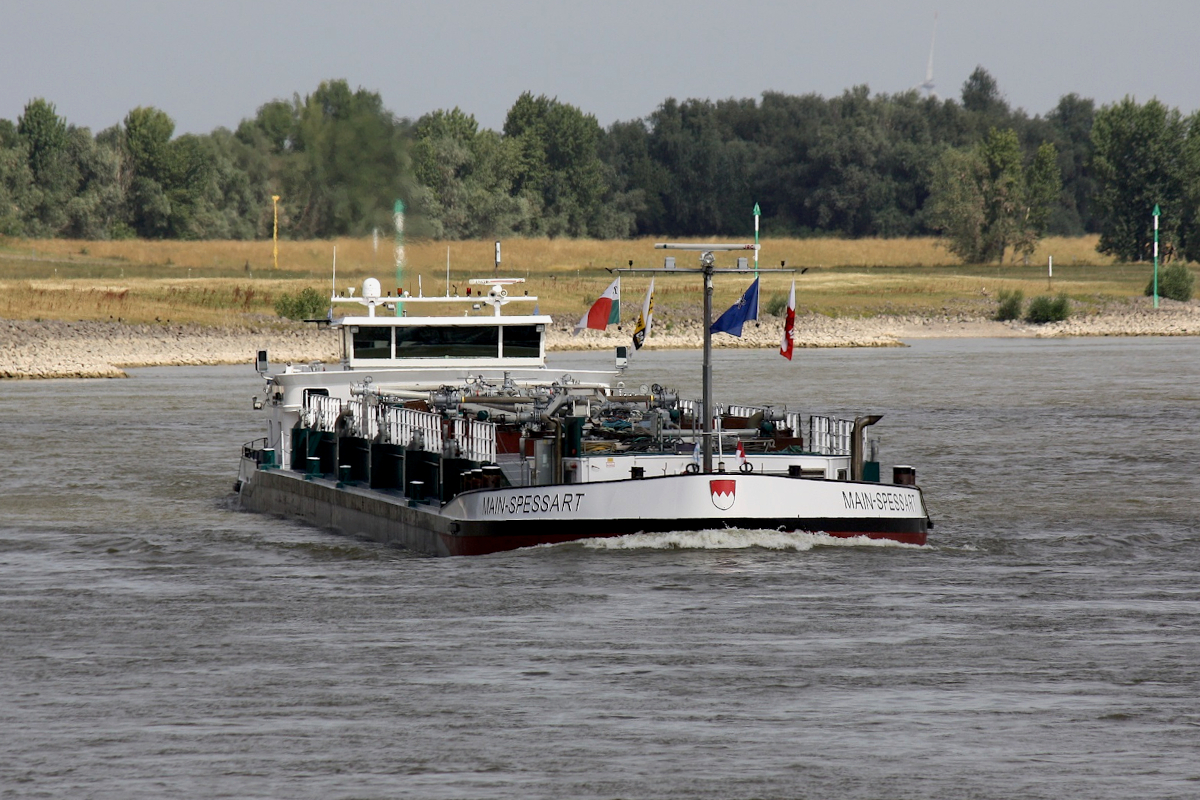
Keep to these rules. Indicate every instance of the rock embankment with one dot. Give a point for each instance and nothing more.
(810, 331)
(51, 349)
(1128, 318)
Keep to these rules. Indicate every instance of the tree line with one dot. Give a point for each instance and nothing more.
(988, 177)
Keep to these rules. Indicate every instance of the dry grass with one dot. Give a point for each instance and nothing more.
(519, 255)
(221, 282)
(204, 301)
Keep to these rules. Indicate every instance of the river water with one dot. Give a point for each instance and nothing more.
(155, 642)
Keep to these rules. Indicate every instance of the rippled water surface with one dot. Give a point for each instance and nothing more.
(155, 642)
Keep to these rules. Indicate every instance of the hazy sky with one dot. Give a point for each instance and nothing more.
(211, 63)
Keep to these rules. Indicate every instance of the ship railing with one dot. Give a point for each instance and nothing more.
(828, 436)
(409, 427)
(320, 412)
(254, 448)
(364, 417)
(476, 439)
(791, 421)
(421, 430)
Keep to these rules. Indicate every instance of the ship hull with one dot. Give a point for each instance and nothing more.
(491, 520)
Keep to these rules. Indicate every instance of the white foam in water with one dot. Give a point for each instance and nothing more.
(730, 539)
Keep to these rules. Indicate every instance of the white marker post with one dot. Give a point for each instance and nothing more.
(496, 271)
(398, 220)
(1050, 273)
(756, 213)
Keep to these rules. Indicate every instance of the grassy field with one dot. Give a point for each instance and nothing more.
(220, 283)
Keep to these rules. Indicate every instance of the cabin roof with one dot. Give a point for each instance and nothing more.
(444, 322)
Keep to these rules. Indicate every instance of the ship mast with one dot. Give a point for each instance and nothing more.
(707, 269)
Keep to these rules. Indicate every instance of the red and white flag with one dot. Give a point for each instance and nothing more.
(741, 454)
(789, 325)
(605, 311)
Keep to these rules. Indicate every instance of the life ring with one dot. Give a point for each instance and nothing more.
(692, 469)
(746, 468)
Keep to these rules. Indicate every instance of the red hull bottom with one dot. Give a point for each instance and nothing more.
(484, 544)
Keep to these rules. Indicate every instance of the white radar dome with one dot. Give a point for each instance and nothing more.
(370, 289)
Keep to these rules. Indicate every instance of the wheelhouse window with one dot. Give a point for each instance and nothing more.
(522, 341)
(372, 342)
(444, 342)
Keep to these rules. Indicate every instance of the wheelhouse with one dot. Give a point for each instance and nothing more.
(383, 342)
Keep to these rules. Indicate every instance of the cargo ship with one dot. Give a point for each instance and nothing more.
(448, 434)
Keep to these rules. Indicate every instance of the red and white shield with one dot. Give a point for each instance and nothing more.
(724, 493)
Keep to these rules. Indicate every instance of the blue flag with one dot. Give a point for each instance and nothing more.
(731, 321)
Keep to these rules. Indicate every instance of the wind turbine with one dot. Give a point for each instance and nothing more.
(927, 85)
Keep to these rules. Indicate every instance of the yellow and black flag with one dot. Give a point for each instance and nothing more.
(645, 319)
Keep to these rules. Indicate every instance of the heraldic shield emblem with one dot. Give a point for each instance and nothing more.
(724, 493)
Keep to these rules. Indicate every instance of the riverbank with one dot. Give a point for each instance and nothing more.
(56, 349)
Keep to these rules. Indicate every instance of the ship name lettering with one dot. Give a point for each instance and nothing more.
(533, 503)
(879, 501)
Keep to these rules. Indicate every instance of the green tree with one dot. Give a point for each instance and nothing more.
(1189, 223)
(985, 201)
(633, 171)
(45, 134)
(466, 177)
(558, 167)
(275, 123)
(957, 205)
(1140, 161)
(1042, 184)
(846, 158)
(148, 133)
(16, 184)
(54, 177)
(8, 134)
(145, 142)
(984, 105)
(169, 182)
(351, 162)
(1002, 198)
(1070, 129)
(707, 182)
(97, 203)
(235, 203)
(981, 94)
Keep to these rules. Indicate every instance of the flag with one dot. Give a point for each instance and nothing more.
(789, 325)
(605, 311)
(741, 454)
(746, 308)
(645, 320)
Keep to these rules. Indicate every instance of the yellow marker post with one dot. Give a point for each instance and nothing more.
(275, 234)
